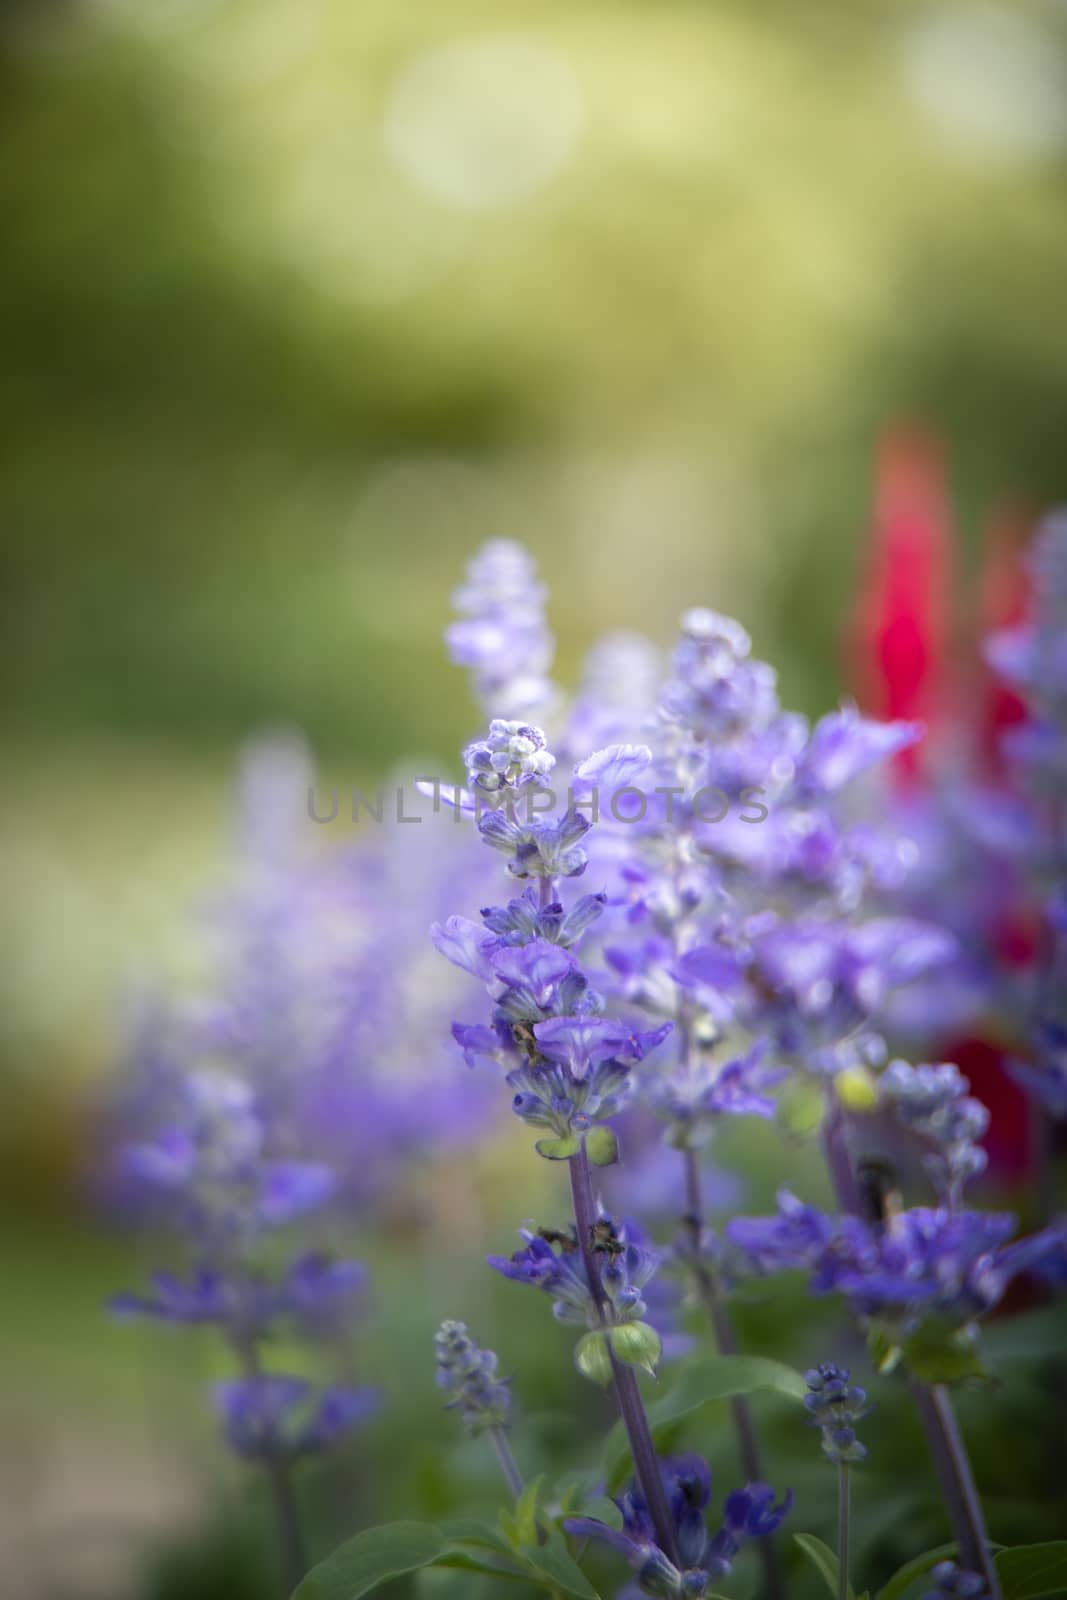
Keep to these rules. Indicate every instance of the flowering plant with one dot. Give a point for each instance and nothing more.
(724, 950)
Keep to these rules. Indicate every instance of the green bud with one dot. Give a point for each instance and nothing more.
(602, 1146)
(592, 1357)
(558, 1149)
(637, 1344)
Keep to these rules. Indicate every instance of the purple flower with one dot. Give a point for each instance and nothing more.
(693, 1096)
(538, 847)
(933, 1102)
(1046, 1077)
(835, 1406)
(318, 1291)
(207, 1298)
(470, 1375)
(796, 1238)
(557, 1269)
(816, 985)
(279, 1418)
(843, 744)
(704, 1557)
(553, 1263)
(466, 945)
(614, 767)
(539, 980)
(581, 1042)
(951, 1582)
(716, 691)
(523, 920)
(511, 755)
(289, 1189)
(503, 637)
(955, 1265)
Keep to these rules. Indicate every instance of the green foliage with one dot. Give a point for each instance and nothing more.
(704, 1381)
(379, 1555)
(554, 1565)
(935, 1352)
(939, 1354)
(824, 1560)
(906, 1575)
(1032, 1571)
(519, 1526)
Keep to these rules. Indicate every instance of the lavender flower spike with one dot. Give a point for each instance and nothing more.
(704, 1558)
(834, 1406)
(469, 1373)
(482, 1398)
(502, 636)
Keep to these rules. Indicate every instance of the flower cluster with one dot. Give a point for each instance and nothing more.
(835, 1406)
(699, 1558)
(1032, 657)
(469, 1373)
(739, 955)
(923, 1262)
(213, 1174)
(218, 1145)
(502, 636)
(273, 1418)
(611, 1306)
(568, 1065)
(933, 1101)
(511, 754)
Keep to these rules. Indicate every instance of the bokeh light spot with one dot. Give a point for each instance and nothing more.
(484, 123)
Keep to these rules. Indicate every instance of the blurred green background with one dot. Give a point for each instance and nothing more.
(300, 300)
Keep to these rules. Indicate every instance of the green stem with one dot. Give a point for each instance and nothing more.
(844, 1486)
(291, 1549)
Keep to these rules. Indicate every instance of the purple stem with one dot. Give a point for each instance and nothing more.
(953, 1468)
(508, 1465)
(726, 1343)
(835, 1150)
(627, 1391)
(948, 1452)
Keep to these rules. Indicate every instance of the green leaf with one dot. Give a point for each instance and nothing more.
(884, 1349)
(801, 1106)
(592, 1359)
(558, 1149)
(602, 1147)
(520, 1525)
(823, 1560)
(1032, 1570)
(380, 1554)
(937, 1353)
(601, 1509)
(553, 1562)
(917, 1567)
(638, 1344)
(469, 1531)
(704, 1381)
